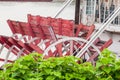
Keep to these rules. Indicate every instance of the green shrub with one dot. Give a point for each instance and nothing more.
(33, 67)
(107, 66)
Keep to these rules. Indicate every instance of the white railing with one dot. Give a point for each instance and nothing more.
(104, 11)
(99, 32)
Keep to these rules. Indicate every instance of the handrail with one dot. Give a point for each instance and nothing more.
(66, 3)
(98, 33)
(110, 15)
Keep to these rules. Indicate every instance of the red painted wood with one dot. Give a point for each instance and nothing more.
(7, 60)
(85, 30)
(34, 22)
(47, 28)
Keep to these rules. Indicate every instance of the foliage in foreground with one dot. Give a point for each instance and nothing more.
(33, 67)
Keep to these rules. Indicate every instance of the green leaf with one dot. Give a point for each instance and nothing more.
(50, 78)
(57, 73)
(14, 74)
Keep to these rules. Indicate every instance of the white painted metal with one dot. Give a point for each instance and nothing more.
(68, 39)
(99, 12)
(20, 52)
(2, 48)
(65, 4)
(94, 10)
(8, 54)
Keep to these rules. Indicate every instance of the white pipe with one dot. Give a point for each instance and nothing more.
(98, 33)
(109, 15)
(66, 3)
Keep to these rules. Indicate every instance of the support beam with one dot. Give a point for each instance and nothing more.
(77, 12)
